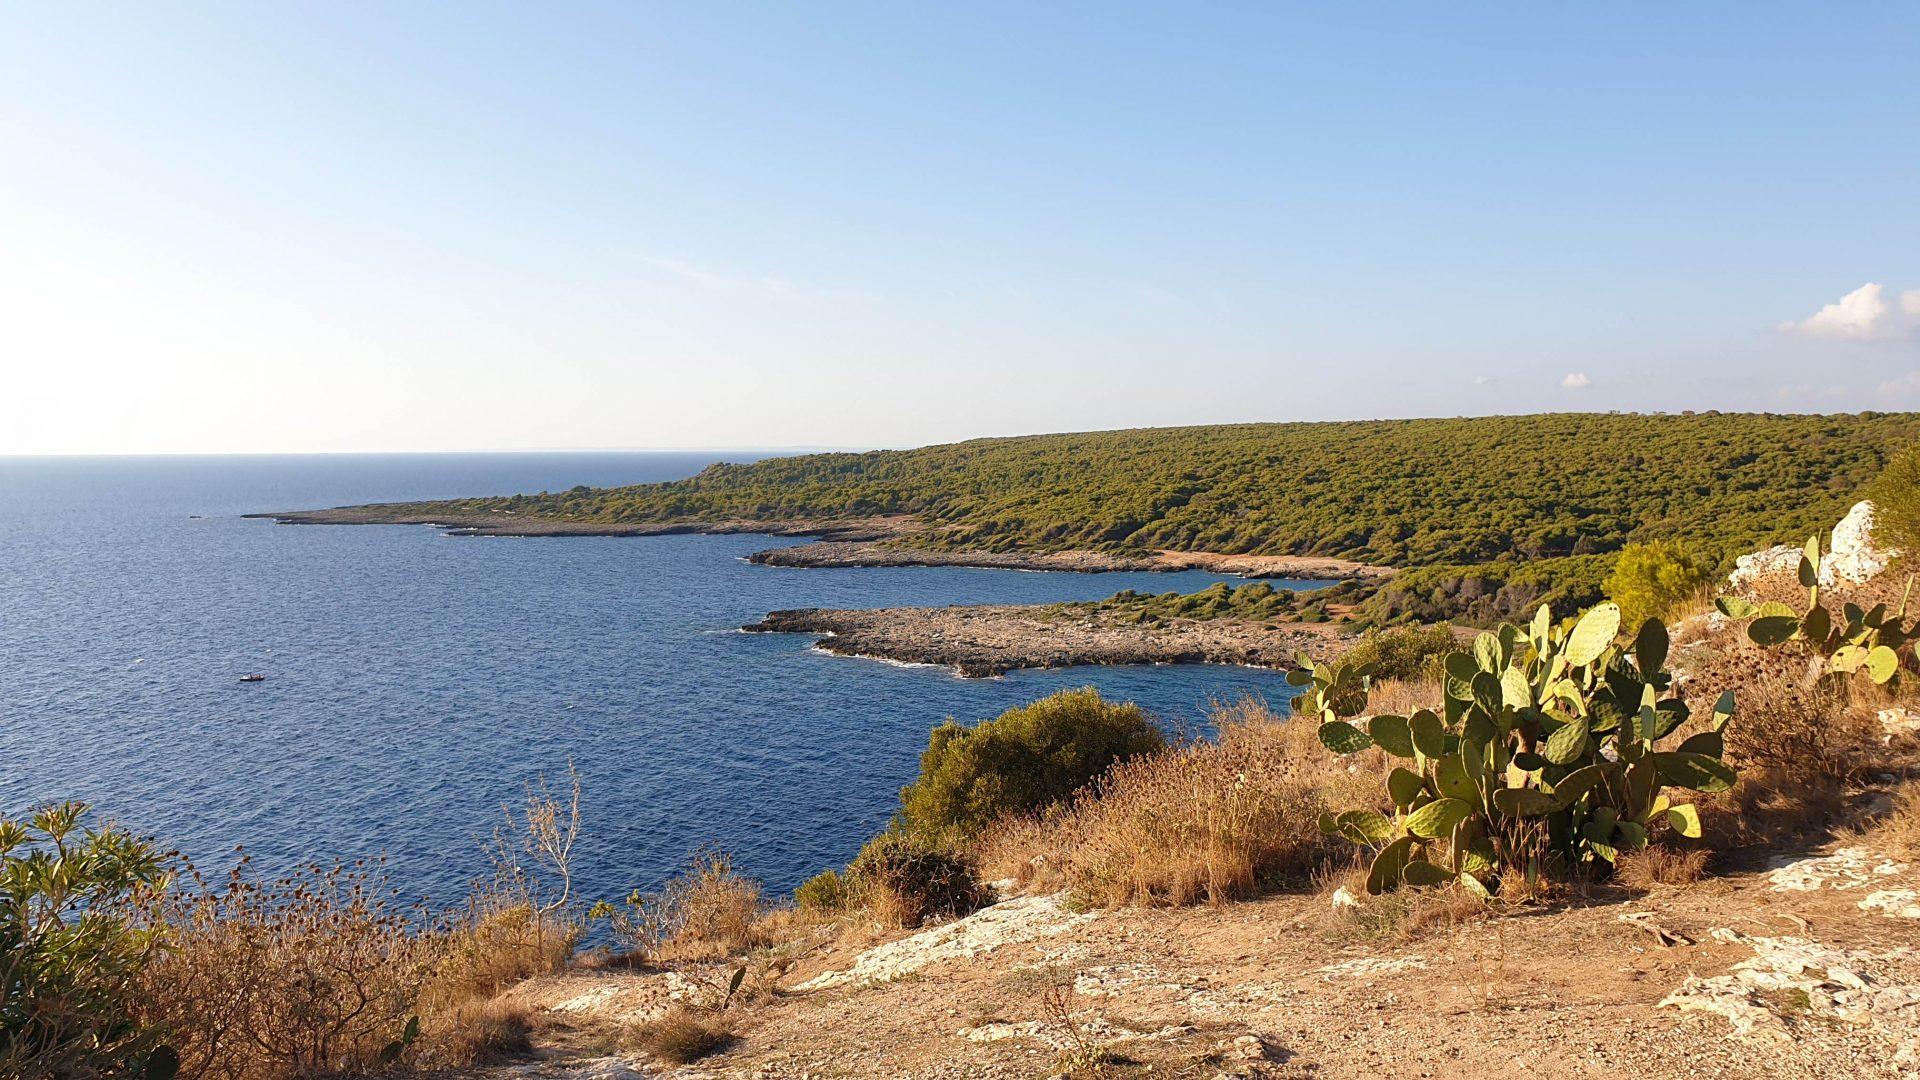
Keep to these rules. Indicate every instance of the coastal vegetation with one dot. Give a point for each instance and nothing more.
(1211, 820)
(1498, 514)
(1896, 500)
(1027, 757)
(1653, 578)
(1404, 653)
(1556, 758)
(1257, 601)
(1552, 754)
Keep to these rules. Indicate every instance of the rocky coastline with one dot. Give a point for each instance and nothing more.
(508, 523)
(988, 640)
(838, 542)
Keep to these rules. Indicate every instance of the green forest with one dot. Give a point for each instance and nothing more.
(1529, 504)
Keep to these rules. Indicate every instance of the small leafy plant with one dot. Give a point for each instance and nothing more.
(1547, 754)
(1874, 642)
(76, 931)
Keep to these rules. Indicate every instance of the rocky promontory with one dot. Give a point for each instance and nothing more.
(508, 523)
(987, 640)
(835, 542)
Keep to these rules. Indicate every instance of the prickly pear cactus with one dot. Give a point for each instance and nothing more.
(1875, 643)
(1550, 749)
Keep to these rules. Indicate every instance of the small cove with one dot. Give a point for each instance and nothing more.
(416, 680)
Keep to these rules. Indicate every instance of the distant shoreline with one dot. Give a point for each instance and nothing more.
(859, 542)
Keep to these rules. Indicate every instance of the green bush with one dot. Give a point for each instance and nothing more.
(1651, 578)
(906, 880)
(1025, 759)
(1896, 504)
(825, 891)
(75, 933)
(1409, 653)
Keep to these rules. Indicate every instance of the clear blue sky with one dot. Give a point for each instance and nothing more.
(262, 226)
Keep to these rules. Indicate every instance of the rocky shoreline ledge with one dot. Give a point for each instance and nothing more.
(988, 640)
(507, 523)
(840, 543)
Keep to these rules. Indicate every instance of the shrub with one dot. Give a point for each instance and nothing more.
(682, 1035)
(1025, 759)
(1407, 653)
(825, 891)
(1652, 578)
(1211, 821)
(707, 910)
(1896, 505)
(75, 936)
(316, 973)
(1547, 755)
(904, 881)
(496, 942)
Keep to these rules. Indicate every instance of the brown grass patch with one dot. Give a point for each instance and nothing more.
(308, 975)
(1404, 697)
(1658, 865)
(682, 1036)
(1770, 806)
(705, 912)
(1400, 915)
(482, 1032)
(1209, 821)
(495, 943)
(1897, 832)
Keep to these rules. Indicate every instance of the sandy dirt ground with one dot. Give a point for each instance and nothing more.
(1802, 965)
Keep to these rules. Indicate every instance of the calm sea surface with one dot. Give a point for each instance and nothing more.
(416, 680)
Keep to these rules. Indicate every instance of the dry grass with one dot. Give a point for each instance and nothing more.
(1788, 722)
(1400, 915)
(313, 974)
(706, 911)
(1897, 832)
(1771, 806)
(1210, 821)
(1658, 865)
(1404, 697)
(321, 972)
(496, 942)
(682, 1036)
(482, 1032)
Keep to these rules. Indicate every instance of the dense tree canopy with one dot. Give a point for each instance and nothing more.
(1410, 493)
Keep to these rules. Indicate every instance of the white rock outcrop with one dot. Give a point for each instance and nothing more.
(1010, 922)
(1851, 556)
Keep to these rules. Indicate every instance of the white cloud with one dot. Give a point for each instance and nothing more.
(1862, 315)
(1483, 380)
(1576, 380)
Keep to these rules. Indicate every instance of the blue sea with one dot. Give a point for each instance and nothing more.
(416, 681)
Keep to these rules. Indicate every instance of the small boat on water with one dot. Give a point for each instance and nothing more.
(253, 678)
